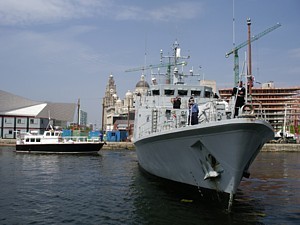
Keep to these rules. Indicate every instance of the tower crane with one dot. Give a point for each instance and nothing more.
(235, 50)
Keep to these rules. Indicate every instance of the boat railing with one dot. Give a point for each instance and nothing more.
(260, 112)
(167, 118)
(67, 139)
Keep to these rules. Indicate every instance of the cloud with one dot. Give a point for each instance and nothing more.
(31, 12)
(181, 10)
(26, 12)
(170, 12)
(50, 51)
(295, 53)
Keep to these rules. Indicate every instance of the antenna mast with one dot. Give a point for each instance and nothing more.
(249, 71)
(233, 25)
(78, 112)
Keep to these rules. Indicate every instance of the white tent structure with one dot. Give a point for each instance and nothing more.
(21, 114)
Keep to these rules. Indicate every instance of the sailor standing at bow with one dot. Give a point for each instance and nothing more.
(239, 92)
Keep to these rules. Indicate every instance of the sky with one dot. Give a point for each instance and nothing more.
(63, 50)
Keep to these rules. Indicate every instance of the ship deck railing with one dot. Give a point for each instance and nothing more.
(210, 111)
(79, 139)
(177, 118)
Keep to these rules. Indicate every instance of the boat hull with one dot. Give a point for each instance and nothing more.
(71, 148)
(213, 156)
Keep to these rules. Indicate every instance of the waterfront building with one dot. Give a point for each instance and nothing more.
(20, 114)
(108, 104)
(83, 118)
(280, 105)
(118, 114)
(115, 108)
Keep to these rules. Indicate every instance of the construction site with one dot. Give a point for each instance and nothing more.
(279, 105)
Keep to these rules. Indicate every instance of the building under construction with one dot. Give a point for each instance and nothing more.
(281, 106)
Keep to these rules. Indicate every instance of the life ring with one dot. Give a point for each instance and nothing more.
(247, 109)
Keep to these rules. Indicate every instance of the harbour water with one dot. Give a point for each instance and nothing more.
(109, 188)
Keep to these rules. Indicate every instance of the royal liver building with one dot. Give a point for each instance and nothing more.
(118, 114)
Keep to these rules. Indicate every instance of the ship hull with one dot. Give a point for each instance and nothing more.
(214, 156)
(65, 148)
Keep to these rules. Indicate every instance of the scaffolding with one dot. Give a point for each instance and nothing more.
(273, 102)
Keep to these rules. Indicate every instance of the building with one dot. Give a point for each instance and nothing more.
(83, 118)
(24, 115)
(280, 105)
(114, 108)
(118, 114)
(108, 104)
(209, 83)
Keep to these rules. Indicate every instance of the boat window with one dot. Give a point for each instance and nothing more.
(169, 92)
(38, 140)
(195, 92)
(182, 92)
(47, 134)
(20, 121)
(27, 140)
(32, 140)
(207, 94)
(155, 92)
(35, 121)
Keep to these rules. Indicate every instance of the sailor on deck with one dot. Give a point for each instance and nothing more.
(194, 111)
(176, 102)
(239, 92)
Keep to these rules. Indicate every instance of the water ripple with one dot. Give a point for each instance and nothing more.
(111, 189)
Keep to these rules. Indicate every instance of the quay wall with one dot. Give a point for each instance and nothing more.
(281, 147)
(130, 146)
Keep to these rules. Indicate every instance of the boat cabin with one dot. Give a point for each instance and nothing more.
(49, 137)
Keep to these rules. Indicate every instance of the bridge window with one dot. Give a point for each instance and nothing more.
(169, 92)
(195, 92)
(207, 94)
(182, 92)
(155, 92)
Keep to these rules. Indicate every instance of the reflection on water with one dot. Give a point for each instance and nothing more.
(111, 189)
(276, 184)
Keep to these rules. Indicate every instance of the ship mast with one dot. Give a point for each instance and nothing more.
(175, 77)
(249, 71)
(78, 112)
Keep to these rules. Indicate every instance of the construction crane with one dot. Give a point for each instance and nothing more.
(235, 50)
